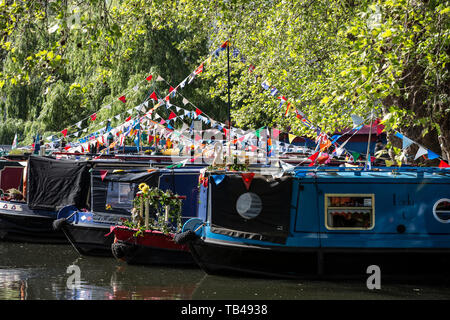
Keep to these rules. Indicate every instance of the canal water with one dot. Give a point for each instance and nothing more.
(36, 272)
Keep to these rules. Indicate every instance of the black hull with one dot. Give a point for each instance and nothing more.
(31, 229)
(145, 255)
(275, 262)
(89, 240)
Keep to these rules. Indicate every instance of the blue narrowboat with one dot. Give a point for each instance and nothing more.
(329, 220)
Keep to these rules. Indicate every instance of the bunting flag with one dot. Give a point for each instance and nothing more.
(103, 174)
(149, 78)
(355, 155)
(275, 133)
(357, 120)
(93, 116)
(218, 178)
(14, 143)
(443, 164)
(291, 137)
(199, 69)
(406, 142)
(172, 115)
(153, 96)
(313, 158)
(64, 132)
(247, 178)
(431, 155)
(123, 99)
(159, 78)
(198, 111)
(290, 108)
(422, 151)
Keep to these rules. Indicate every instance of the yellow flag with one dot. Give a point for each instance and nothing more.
(208, 61)
(291, 137)
(389, 163)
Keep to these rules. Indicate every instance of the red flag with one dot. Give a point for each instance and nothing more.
(149, 78)
(64, 132)
(167, 98)
(103, 174)
(443, 164)
(93, 116)
(171, 89)
(224, 45)
(199, 69)
(172, 115)
(247, 179)
(198, 111)
(153, 96)
(128, 119)
(313, 158)
(122, 98)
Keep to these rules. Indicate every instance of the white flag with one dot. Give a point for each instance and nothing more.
(159, 78)
(420, 152)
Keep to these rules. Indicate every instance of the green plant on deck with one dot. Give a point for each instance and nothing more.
(155, 209)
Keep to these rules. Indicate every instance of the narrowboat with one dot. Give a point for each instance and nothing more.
(111, 199)
(323, 221)
(47, 185)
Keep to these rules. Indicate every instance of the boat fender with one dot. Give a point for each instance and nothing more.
(59, 223)
(122, 249)
(185, 237)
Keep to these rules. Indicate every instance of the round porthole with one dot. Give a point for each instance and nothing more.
(249, 205)
(441, 210)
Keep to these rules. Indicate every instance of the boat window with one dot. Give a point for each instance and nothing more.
(349, 211)
(441, 210)
(120, 195)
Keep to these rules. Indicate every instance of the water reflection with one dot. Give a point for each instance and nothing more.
(30, 271)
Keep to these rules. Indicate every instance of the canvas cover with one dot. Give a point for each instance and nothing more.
(101, 182)
(53, 184)
(271, 224)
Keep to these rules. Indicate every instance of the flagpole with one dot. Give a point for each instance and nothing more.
(229, 101)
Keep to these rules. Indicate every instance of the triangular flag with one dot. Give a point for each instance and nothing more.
(406, 142)
(313, 158)
(159, 78)
(149, 78)
(420, 152)
(198, 111)
(93, 116)
(64, 132)
(123, 99)
(78, 124)
(185, 101)
(443, 164)
(357, 120)
(355, 155)
(172, 115)
(103, 174)
(153, 96)
(291, 137)
(432, 155)
(218, 178)
(247, 179)
(389, 163)
(199, 69)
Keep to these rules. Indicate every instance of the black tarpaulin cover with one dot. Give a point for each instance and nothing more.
(272, 221)
(53, 184)
(127, 176)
